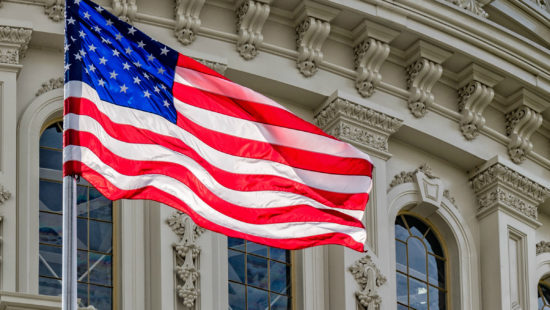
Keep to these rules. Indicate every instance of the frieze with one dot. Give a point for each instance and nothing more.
(499, 196)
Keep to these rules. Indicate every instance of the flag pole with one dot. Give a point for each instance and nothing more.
(69, 276)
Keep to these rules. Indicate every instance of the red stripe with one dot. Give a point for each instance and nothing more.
(239, 182)
(246, 110)
(113, 193)
(298, 213)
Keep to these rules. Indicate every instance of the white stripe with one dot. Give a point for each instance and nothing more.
(181, 191)
(257, 131)
(157, 153)
(348, 184)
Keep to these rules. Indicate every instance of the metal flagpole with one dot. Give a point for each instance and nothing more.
(69, 291)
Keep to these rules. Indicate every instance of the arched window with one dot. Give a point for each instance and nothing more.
(420, 264)
(544, 294)
(94, 229)
(259, 276)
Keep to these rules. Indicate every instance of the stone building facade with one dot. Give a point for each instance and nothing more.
(450, 98)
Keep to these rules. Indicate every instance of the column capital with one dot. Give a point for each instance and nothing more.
(14, 42)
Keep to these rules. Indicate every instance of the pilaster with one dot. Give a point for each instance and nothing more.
(507, 215)
(423, 71)
(371, 48)
(188, 21)
(251, 16)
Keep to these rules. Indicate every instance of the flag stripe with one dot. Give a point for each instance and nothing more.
(170, 186)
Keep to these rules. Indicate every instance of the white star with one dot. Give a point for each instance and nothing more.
(160, 70)
(157, 90)
(99, 9)
(146, 94)
(86, 15)
(67, 66)
(82, 52)
(166, 104)
(141, 44)
(102, 60)
(97, 29)
(162, 86)
(131, 30)
(73, 39)
(81, 34)
(126, 66)
(150, 57)
(123, 88)
(92, 48)
(70, 21)
(137, 64)
(118, 36)
(92, 68)
(77, 2)
(109, 22)
(101, 82)
(137, 80)
(116, 53)
(113, 74)
(103, 40)
(128, 50)
(146, 75)
(66, 47)
(77, 56)
(164, 51)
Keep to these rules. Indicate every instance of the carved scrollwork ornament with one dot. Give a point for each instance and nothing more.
(474, 97)
(421, 77)
(474, 6)
(51, 84)
(188, 21)
(543, 247)
(311, 34)
(520, 125)
(126, 10)
(408, 177)
(369, 56)
(251, 16)
(55, 9)
(369, 278)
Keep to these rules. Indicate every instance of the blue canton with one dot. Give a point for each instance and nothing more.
(125, 66)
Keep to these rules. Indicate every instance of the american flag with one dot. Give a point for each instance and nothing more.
(145, 122)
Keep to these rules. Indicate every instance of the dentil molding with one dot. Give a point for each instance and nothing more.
(188, 21)
(357, 124)
(55, 9)
(499, 186)
(474, 6)
(422, 74)
(369, 278)
(125, 10)
(51, 84)
(187, 253)
(251, 16)
(14, 42)
(543, 247)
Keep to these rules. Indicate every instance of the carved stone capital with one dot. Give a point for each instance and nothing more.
(251, 16)
(187, 253)
(498, 186)
(474, 6)
(55, 9)
(125, 10)
(359, 125)
(51, 84)
(188, 21)
(369, 278)
(14, 42)
(543, 247)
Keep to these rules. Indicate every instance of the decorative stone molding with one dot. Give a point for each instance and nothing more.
(543, 247)
(359, 125)
(498, 186)
(370, 51)
(216, 66)
(474, 95)
(4, 195)
(447, 194)
(408, 177)
(369, 278)
(51, 84)
(125, 10)
(13, 44)
(187, 257)
(312, 30)
(422, 74)
(55, 9)
(251, 16)
(474, 6)
(188, 21)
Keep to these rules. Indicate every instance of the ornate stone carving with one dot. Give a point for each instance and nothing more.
(4, 195)
(408, 177)
(216, 66)
(447, 194)
(357, 124)
(421, 77)
(474, 6)
(188, 21)
(543, 247)
(13, 44)
(521, 123)
(473, 98)
(369, 56)
(55, 9)
(311, 33)
(499, 186)
(369, 278)
(51, 84)
(125, 10)
(187, 257)
(251, 16)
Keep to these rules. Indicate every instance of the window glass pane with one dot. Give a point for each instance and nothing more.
(100, 269)
(401, 232)
(417, 258)
(50, 228)
(418, 294)
(51, 159)
(82, 294)
(101, 238)
(256, 271)
(82, 266)
(434, 299)
(256, 298)
(50, 261)
(258, 249)
(100, 206)
(237, 296)
(416, 227)
(52, 137)
(402, 289)
(235, 243)
(279, 254)
(401, 255)
(82, 201)
(47, 286)
(433, 244)
(50, 198)
(100, 297)
(236, 266)
(82, 234)
(280, 277)
(279, 302)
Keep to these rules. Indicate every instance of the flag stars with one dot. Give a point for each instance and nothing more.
(126, 66)
(97, 29)
(160, 70)
(81, 34)
(162, 86)
(92, 68)
(128, 50)
(86, 15)
(123, 88)
(70, 21)
(82, 52)
(150, 57)
(101, 82)
(99, 9)
(141, 44)
(157, 90)
(118, 37)
(146, 75)
(137, 80)
(92, 48)
(77, 2)
(103, 40)
(131, 30)
(113, 75)
(166, 104)
(102, 61)
(109, 22)
(146, 94)
(164, 51)
(77, 56)
(67, 66)
(116, 53)
(137, 64)
(66, 47)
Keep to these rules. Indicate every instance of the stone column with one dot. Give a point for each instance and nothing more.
(507, 217)
(14, 41)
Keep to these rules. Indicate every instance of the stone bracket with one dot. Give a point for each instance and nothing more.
(55, 9)
(251, 16)
(369, 278)
(125, 10)
(357, 124)
(475, 93)
(188, 21)
(422, 74)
